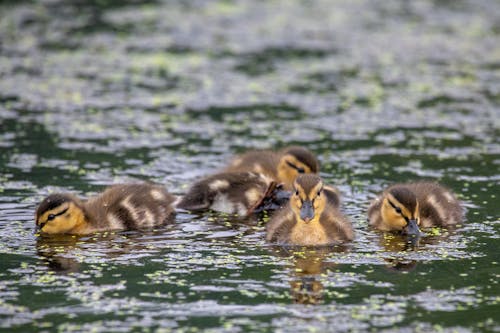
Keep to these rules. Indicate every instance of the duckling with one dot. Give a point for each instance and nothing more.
(228, 192)
(119, 207)
(282, 166)
(409, 207)
(310, 218)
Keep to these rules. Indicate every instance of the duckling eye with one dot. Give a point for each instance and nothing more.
(51, 217)
(300, 170)
(296, 192)
(398, 210)
(319, 193)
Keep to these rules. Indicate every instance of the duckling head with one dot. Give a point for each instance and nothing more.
(59, 213)
(308, 201)
(400, 211)
(295, 161)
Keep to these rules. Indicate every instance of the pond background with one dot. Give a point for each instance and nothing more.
(99, 92)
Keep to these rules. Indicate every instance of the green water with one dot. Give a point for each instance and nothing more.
(99, 92)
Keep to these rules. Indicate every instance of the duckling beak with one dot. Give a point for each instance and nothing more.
(38, 227)
(412, 228)
(307, 211)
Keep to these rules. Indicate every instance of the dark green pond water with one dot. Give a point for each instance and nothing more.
(99, 92)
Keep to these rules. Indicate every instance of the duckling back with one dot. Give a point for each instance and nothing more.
(230, 192)
(438, 205)
(130, 206)
(257, 161)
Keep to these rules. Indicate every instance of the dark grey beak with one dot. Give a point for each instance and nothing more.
(412, 229)
(38, 227)
(307, 211)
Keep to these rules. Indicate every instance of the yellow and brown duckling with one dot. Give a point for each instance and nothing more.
(119, 207)
(229, 192)
(311, 218)
(409, 207)
(282, 166)
(254, 181)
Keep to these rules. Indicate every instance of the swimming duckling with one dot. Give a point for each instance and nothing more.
(408, 207)
(310, 218)
(229, 192)
(282, 166)
(126, 206)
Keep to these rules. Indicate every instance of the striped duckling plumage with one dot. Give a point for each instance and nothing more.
(119, 207)
(282, 166)
(311, 218)
(409, 207)
(229, 192)
(253, 181)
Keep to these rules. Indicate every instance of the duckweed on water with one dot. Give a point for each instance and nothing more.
(107, 92)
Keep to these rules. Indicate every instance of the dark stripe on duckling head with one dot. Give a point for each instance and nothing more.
(293, 166)
(53, 201)
(305, 156)
(396, 208)
(307, 182)
(53, 216)
(406, 197)
(50, 217)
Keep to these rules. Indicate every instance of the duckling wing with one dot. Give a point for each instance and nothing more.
(332, 195)
(337, 226)
(438, 205)
(274, 198)
(279, 229)
(132, 206)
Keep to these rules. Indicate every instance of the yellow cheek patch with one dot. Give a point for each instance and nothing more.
(406, 212)
(297, 202)
(296, 167)
(391, 218)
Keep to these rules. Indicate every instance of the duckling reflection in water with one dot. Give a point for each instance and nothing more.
(307, 287)
(394, 243)
(253, 182)
(65, 253)
(307, 290)
(54, 252)
(311, 218)
(119, 207)
(408, 207)
(400, 251)
(308, 269)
